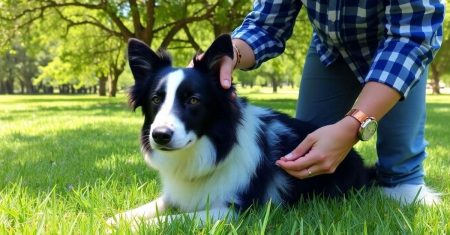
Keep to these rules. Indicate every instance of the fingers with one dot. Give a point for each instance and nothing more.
(302, 149)
(191, 63)
(305, 173)
(226, 69)
(303, 167)
(320, 152)
(296, 165)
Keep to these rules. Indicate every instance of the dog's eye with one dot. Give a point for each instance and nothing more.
(193, 100)
(156, 99)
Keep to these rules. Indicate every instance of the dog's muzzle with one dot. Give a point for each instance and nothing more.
(162, 135)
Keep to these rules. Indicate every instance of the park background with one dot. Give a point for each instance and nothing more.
(69, 150)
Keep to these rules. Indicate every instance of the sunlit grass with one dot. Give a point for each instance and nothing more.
(69, 162)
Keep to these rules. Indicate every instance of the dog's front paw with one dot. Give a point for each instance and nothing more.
(114, 222)
(127, 220)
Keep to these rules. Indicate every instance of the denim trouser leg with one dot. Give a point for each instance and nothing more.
(327, 93)
(401, 142)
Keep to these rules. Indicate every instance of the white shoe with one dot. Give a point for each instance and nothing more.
(409, 193)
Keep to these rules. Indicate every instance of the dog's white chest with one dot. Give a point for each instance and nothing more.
(193, 180)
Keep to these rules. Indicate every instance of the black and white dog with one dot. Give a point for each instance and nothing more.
(214, 150)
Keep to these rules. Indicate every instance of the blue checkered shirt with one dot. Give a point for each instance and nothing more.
(390, 42)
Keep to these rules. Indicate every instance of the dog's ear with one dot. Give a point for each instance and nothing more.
(210, 61)
(143, 61)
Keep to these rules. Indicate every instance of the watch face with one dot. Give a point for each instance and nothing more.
(368, 129)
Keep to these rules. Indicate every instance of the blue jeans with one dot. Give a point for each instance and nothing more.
(328, 93)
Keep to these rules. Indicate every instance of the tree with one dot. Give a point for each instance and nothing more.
(27, 68)
(97, 59)
(286, 68)
(7, 62)
(19, 66)
(441, 64)
(87, 32)
(148, 21)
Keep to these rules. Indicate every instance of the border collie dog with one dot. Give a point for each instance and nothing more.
(213, 150)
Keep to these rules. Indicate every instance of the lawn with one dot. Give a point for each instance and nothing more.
(69, 162)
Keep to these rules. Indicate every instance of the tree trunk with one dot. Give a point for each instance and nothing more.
(274, 85)
(2, 88)
(436, 79)
(48, 89)
(62, 89)
(29, 87)
(102, 85)
(9, 86)
(113, 86)
(22, 88)
(116, 70)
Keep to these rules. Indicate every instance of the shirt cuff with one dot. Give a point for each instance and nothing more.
(399, 64)
(258, 40)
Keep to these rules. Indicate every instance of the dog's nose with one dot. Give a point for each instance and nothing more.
(162, 135)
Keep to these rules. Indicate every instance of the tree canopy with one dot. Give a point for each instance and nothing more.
(87, 37)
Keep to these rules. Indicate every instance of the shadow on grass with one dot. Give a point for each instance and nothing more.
(438, 116)
(73, 157)
(29, 99)
(49, 109)
(275, 103)
(93, 109)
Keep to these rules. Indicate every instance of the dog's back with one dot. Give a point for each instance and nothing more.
(277, 135)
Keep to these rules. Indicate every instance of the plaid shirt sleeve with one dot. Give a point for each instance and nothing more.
(267, 27)
(413, 36)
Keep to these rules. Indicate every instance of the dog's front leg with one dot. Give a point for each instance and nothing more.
(142, 213)
(213, 215)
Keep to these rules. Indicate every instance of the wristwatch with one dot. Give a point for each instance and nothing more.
(368, 124)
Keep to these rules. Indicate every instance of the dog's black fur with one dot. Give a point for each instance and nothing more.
(223, 121)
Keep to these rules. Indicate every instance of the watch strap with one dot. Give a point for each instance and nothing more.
(357, 114)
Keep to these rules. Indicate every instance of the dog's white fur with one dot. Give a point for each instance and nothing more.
(193, 179)
(166, 116)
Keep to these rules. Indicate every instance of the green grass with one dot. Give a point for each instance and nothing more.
(69, 162)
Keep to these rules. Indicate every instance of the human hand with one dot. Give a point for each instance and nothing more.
(321, 151)
(226, 69)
